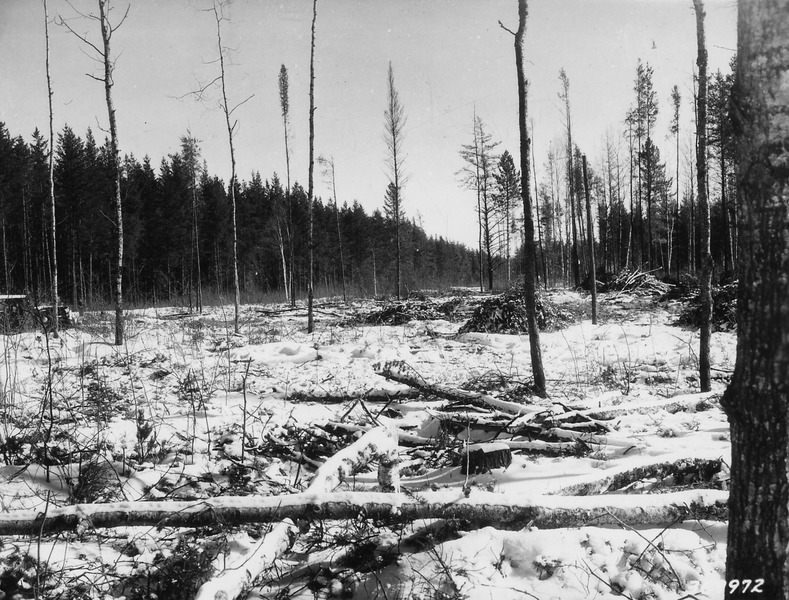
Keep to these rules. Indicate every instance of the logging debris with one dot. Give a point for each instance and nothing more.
(638, 282)
(405, 311)
(724, 308)
(506, 313)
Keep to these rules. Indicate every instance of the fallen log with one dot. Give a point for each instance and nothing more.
(237, 579)
(399, 371)
(405, 439)
(377, 444)
(479, 509)
(687, 402)
(681, 471)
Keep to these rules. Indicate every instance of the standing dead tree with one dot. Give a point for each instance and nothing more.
(218, 10)
(328, 172)
(530, 254)
(51, 169)
(311, 187)
(704, 206)
(104, 56)
(590, 233)
(564, 96)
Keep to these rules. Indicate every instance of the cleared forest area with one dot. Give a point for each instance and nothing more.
(398, 451)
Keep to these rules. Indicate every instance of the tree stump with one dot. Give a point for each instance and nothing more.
(480, 458)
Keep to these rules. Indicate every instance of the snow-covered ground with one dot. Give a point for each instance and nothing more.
(186, 410)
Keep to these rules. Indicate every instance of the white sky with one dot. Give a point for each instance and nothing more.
(448, 56)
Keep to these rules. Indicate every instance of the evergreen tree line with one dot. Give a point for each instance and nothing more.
(645, 208)
(178, 232)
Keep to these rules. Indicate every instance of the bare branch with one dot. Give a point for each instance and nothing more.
(505, 28)
(232, 110)
(118, 26)
(61, 22)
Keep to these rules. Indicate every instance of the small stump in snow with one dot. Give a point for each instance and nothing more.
(481, 458)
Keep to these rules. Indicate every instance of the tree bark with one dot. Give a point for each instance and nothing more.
(757, 400)
(704, 207)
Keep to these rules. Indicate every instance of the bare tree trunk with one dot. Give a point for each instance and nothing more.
(230, 127)
(565, 94)
(757, 400)
(528, 223)
(704, 208)
(285, 105)
(310, 239)
(537, 209)
(51, 169)
(109, 66)
(592, 271)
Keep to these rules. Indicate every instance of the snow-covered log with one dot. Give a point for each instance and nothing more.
(379, 444)
(405, 439)
(479, 509)
(687, 402)
(399, 371)
(238, 577)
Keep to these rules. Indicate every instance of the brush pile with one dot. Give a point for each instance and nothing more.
(724, 309)
(506, 313)
(641, 283)
(400, 312)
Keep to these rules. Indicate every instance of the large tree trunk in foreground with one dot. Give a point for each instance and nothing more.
(479, 509)
(757, 400)
(530, 253)
(704, 206)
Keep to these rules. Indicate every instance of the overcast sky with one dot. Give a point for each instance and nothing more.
(448, 57)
